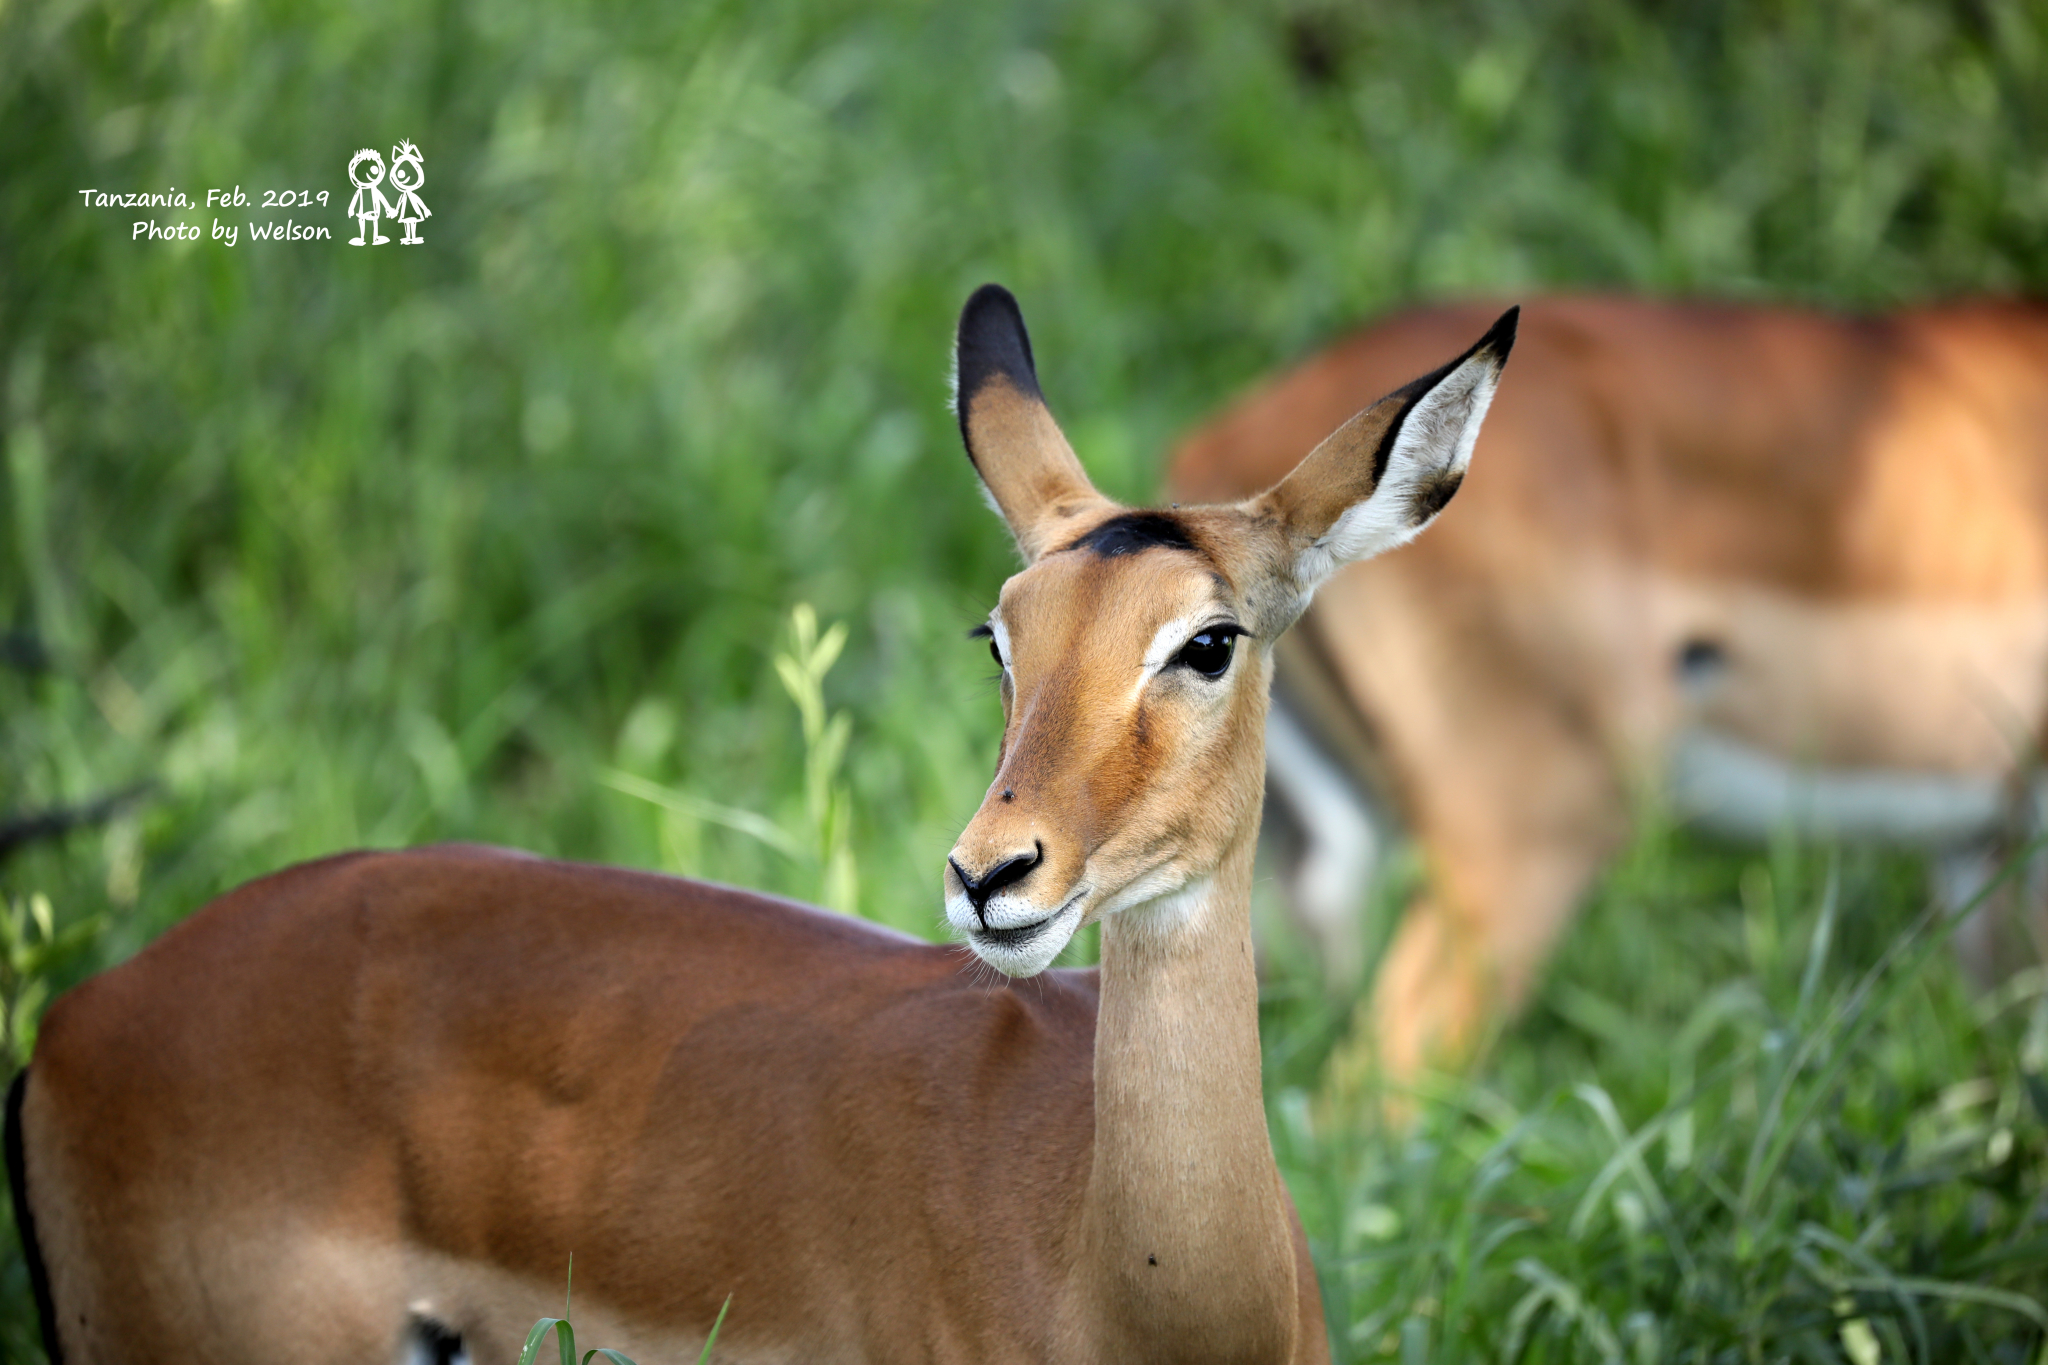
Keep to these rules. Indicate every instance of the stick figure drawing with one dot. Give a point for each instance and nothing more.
(407, 175)
(368, 201)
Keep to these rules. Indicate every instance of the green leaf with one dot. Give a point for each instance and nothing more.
(683, 803)
(712, 1340)
(2037, 1092)
(565, 1337)
(831, 751)
(827, 653)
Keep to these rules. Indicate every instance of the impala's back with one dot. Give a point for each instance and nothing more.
(1792, 567)
(312, 1123)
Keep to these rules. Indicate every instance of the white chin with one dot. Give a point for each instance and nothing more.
(1030, 950)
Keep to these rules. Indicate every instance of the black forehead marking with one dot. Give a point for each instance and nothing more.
(1131, 532)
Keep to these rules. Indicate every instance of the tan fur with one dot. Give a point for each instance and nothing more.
(1854, 511)
(1047, 494)
(414, 1083)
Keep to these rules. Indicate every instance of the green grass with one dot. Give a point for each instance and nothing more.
(1753, 1116)
(563, 1336)
(340, 547)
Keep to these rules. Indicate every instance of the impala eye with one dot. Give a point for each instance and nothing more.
(986, 632)
(1209, 652)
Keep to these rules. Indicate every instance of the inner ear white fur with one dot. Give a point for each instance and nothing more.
(1430, 452)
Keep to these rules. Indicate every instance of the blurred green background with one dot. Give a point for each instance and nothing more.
(495, 537)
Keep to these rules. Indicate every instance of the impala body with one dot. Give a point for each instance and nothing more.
(1771, 567)
(366, 1109)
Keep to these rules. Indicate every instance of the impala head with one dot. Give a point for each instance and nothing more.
(1136, 646)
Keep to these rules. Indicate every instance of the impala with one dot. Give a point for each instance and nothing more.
(1770, 567)
(367, 1108)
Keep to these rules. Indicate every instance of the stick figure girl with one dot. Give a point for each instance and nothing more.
(368, 202)
(407, 175)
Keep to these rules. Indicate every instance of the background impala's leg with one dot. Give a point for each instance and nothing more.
(1466, 954)
(1515, 802)
(2005, 927)
(1328, 842)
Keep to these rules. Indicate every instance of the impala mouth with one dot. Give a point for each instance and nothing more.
(1026, 949)
(1015, 937)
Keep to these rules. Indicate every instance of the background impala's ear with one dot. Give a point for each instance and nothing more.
(1026, 466)
(1386, 473)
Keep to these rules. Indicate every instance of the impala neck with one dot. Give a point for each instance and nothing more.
(1186, 1235)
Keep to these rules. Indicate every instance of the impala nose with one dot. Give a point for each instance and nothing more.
(995, 879)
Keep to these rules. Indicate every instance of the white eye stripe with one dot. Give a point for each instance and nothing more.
(1167, 642)
(1173, 637)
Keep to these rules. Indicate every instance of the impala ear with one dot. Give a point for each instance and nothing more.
(1027, 469)
(1385, 474)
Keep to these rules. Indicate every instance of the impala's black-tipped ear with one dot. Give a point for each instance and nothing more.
(1027, 468)
(1385, 474)
(992, 344)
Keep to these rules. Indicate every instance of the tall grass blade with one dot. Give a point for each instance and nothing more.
(745, 822)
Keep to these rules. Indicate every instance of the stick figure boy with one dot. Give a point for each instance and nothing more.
(368, 203)
(407, 175)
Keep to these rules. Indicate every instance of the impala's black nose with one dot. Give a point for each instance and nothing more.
(995, 879)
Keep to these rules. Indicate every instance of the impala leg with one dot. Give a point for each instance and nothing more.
(2005, 928)
(1514, 816)
(303, 1296)
(1468, 953)
(141, 1269)
(1338, 838)
(2004, 908)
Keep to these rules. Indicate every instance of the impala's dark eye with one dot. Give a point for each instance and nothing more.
(1209, 652)
(986, 632)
